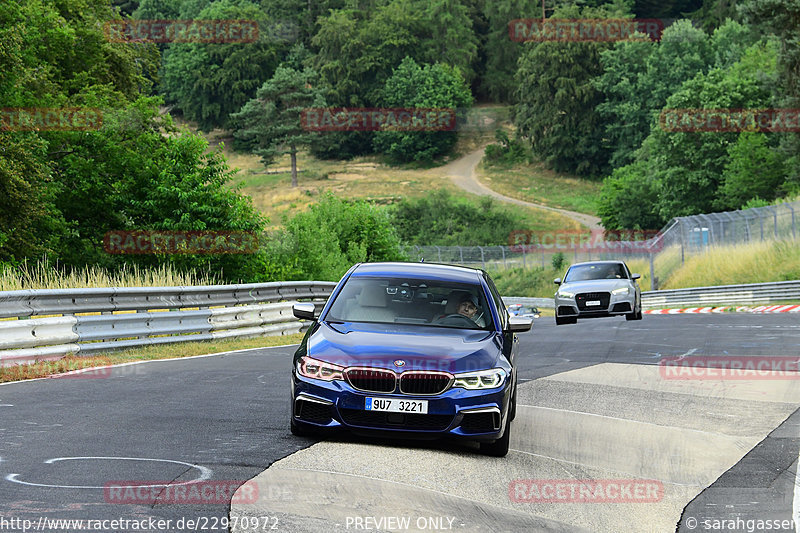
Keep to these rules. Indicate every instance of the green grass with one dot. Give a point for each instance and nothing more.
(534, 183)
(733, 265)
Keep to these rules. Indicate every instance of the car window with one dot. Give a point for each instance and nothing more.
(411, 301)
(498, 300)
(596, 271)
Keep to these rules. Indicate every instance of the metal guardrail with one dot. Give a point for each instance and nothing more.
(102, 319)
(756, 293)
(750, 294)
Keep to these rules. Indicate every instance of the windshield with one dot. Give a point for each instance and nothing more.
(596, 271)
(412, 301)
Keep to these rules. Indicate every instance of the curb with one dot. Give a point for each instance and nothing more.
(739, 309)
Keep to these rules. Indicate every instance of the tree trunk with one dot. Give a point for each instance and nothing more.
(293, 151)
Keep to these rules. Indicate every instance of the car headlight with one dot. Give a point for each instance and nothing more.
(565, 294)
(621, 290)
(313, 368)
(485, 379)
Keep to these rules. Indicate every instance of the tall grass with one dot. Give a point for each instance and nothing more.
(41, 275)
(731, 265)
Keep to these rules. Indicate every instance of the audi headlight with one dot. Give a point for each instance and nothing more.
(621, 290)
(485, 379)
(565, 294)
(313, 368)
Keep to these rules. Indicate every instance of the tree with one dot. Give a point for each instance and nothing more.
(436, 86)
(208, 81)
(754, 170)
(271, 122)
(638, 77)
(501, 52)
(129, 175)
(694, 161)
(629, 199)
(325, 241)
(782, 18)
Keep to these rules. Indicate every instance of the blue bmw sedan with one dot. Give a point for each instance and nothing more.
(415, 350)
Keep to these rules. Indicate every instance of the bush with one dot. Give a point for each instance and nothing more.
(507, 152)
(442, 220)
(322, 243)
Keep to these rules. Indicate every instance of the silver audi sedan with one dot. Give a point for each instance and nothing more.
(596, 289)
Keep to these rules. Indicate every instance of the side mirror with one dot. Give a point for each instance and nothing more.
(304, 311)
(557, 281)
(519, 324)
(635, 276)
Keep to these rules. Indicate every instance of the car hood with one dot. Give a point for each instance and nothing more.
(595, 285)
(419, 347)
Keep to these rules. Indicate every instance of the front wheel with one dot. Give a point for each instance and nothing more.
(498, 448)
(299, 431)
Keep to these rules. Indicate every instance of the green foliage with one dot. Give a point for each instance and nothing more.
(629, 199)
(535, 282)
(324, 242)
(507, 152)
(429, 86)
(782, 19)
(558, 261)
(358, 49)
(683, 173)
(130, 176)
(754, 171)
(27, 219)
(556, 103)
(442, 220)
(270, 123)
(691, 164)
(208, 81)
(501, 52)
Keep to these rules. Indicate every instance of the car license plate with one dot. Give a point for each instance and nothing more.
(592, 302)
(394, 405)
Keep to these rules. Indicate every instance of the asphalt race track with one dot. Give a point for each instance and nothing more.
(647, 451)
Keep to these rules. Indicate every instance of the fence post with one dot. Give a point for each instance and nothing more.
(483, 263)
(505, 265)
(653, 279)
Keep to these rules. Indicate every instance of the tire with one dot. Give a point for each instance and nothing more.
(299, 431)
(499, 448)
(631, 316)
(513, 413)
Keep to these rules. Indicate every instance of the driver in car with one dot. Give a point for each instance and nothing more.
(468, 306)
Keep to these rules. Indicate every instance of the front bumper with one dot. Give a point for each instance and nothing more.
(332, 406)
(610, 305)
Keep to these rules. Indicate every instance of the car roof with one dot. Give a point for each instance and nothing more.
(603, 262)
(436, 271)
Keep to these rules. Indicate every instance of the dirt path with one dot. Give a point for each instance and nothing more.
(462, 172)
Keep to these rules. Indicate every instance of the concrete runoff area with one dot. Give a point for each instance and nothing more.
(609, 422)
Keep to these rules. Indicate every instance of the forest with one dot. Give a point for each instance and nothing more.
(88, 143)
